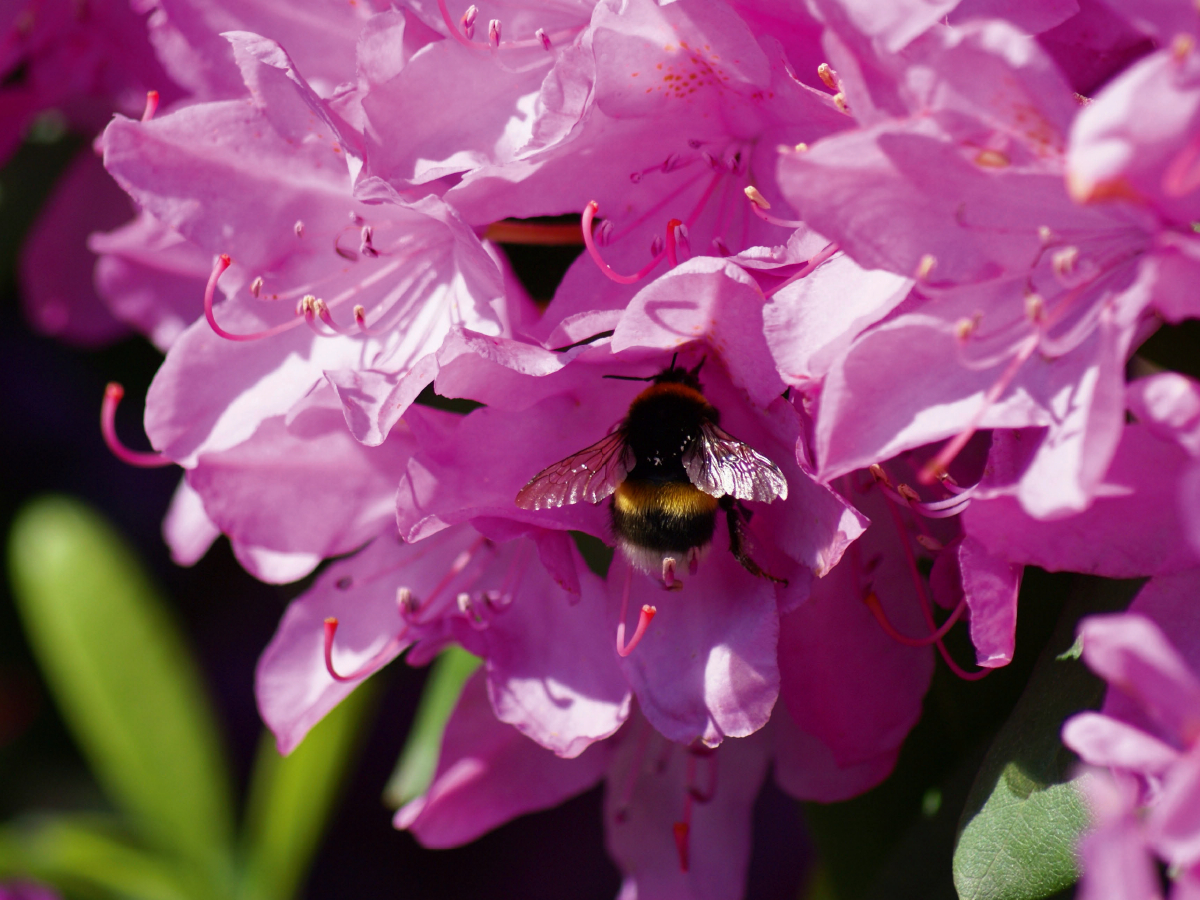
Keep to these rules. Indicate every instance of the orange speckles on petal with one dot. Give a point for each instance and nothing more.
(658, 66)
(634, 74)
(991, 159)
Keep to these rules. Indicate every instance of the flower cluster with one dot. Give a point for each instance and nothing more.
(905, 251)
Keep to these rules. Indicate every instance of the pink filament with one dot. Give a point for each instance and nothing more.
(873, 604)
(827, 251)
(108, 415)
(589, 214)
(151, 106)
(774, 220)
(682, 829)
(210, 289)
(331, 626)
(926, 606)
(644, 619)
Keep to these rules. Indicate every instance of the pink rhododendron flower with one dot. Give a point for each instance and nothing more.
(55, 265)
(1147, 734)
(864, 229)
(550, 668)
(385, 281)
(676, 817)
(1143, 521)
(83, 59)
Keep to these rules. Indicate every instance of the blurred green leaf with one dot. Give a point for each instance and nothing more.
(291, 798)
(89, 852)
(418, 760)
(123, 678)
(1024, 814)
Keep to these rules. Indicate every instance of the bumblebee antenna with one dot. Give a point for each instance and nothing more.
(630, 377)
(696, 371)
(674, 357)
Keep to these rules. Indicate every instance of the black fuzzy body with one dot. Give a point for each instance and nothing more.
(657, 509)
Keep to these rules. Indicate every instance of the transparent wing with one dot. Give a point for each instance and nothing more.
(589, 475)
(719, 464)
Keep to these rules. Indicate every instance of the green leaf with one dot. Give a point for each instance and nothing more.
(123, 679)
(1024, 814)
(418, 760)
(291, 798)
(90, 852)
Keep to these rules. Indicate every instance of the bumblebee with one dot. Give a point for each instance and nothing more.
(669, 468)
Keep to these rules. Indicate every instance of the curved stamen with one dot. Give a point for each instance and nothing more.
(151, 106)
(589, 214)
(682, 829)
(331, 626)
(759, 204)
(931, 509)
(108, 417)
(644, 619)
(923, 599)
(873, 604)
(456, 568)
(827, 251)
(540, 38)
(326, 317)
(775, 220)
(219, 267)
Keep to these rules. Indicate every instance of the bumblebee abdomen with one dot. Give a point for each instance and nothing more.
(665, 517)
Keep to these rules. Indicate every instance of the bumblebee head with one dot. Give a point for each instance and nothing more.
(679, 375)
(673, 374)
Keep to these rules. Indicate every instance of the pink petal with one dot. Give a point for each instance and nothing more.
(1116, 864)
(275, 566)
(1132, 529)
(991, 585)
(551, 668)
(293, 687)
(1168, 404)
(1173, 824)
(151, 277)
(1102, 741)
(1132, 654)
(807, 769)
(488, 773)
(646, 794)
(812, 321)
(711, 300)
(55, 268)
(844, 680)
(187, 529)
(303, 486)
(706, 668)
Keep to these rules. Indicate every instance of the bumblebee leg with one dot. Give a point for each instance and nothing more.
(736, 517)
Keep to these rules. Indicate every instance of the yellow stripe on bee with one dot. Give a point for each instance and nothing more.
(675, 498)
